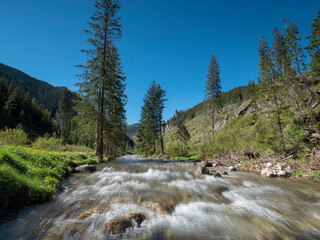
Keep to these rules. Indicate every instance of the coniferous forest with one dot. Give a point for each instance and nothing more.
(269, 128)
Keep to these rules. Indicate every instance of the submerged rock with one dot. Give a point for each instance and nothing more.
(162, 209)
(87, 213)
(225, 173)
(121, 224)
(85, 168)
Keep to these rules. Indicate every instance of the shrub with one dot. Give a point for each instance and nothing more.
(13, 136)
(48, 143)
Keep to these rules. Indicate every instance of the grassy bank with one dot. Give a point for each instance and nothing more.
(29, 175)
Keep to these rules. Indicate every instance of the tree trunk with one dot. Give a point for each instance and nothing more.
(212, 118)
(278, 111)
(161, 139)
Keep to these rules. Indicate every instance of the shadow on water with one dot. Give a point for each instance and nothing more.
(177, 203)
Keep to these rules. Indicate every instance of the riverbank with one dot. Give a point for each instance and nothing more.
(29, 175)
(307, 168)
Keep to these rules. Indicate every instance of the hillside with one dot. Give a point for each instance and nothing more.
(250, 125)
(47, 96)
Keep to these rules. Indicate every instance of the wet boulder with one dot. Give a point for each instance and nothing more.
(87, 213)
(232, 168)
(162, 209)
(202, 171)
(121, 224)
(85, 168)
(206, 164)
(225, 173)
(217, 174)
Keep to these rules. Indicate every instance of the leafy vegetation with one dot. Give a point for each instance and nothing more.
(29, 175)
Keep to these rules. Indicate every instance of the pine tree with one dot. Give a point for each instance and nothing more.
(280, 55)
(182, 136)
(64, 112)
(267, 79)
(151, 123)
(104, 29)
(314, 45)
(294, 49)
(213, 89)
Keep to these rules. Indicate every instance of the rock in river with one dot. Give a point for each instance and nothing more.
(120, 224)
(232, 168)
(162, 209)
(85, 168)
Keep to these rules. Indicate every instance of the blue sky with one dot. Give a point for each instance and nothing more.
(169, 41)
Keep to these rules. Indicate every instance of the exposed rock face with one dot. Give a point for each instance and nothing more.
(85, 168)
(120, 225)
(87, 213)
(232, 168)
(162, 209)
(267, 172)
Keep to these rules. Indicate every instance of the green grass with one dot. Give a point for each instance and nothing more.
(29, 175)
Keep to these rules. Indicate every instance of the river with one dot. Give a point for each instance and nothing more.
(238, 206)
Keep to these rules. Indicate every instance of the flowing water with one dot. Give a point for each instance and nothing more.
(237, 206)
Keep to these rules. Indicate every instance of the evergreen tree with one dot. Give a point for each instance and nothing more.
(295, 50)
(314, 45)
(150, 126)
(213, 89)
(267, 79)
(64, 113)
(280, 55)
(104, 28)
(182, 136)
(115, 103)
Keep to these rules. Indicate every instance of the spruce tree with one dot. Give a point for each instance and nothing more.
(294, 49)
(151, 123)
(314, 45)
(213, 89)
(104, 29)
(267, 79)
(182, 136)
(280, 55)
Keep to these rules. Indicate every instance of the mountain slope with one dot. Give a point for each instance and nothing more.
(47, 96)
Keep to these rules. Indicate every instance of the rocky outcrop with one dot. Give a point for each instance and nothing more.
(121, 224)
(85, 168)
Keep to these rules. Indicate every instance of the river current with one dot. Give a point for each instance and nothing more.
(237, 206)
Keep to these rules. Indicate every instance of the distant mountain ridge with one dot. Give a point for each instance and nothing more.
(46, 95)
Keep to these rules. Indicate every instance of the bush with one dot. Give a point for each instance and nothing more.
(16, 137)
(48, 143)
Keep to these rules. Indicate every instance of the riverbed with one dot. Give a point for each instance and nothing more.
(237, 206)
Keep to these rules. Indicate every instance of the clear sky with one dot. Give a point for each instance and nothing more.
(169, 41)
